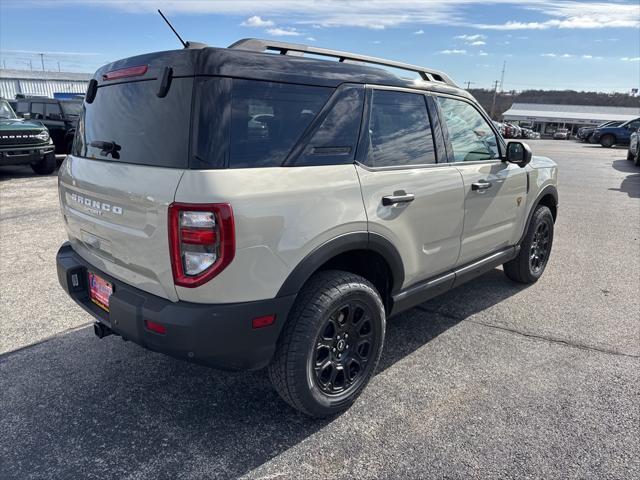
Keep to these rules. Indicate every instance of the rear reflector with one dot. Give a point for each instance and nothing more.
(155, 327)
(125, 72)
(264, 321)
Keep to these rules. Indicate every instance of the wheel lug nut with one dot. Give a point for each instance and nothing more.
(333, 349)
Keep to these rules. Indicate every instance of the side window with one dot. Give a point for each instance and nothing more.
(399, 130)
(268, 118)
(471, 137)
(334, 141)
(37, 111)
(634, 125)
(22, 107)
(53, 111)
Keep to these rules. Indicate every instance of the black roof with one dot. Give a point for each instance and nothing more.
(239, 63)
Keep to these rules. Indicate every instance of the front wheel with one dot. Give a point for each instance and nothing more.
(45, 166)
(535, 249)
(331, 344)
(607, 141)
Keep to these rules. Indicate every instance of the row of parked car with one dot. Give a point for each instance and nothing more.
(610, 133)
(33, 129)
(514, 131)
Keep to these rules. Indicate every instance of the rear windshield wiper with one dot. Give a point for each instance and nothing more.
(108, 148)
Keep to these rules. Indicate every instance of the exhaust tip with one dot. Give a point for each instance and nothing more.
(101, 330)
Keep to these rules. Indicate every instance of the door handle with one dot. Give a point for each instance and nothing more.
(398, 197)
(481, 186)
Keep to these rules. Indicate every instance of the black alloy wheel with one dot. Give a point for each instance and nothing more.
(344, 348)
(539, 252)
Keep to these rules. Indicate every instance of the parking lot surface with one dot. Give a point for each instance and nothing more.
(493, 379)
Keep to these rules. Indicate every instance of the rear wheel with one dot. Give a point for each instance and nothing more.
(331, 344)
(630, 156)
(45, 166)
(535, 249)
(607, 141)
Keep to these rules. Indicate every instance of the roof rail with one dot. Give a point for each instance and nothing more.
(257, 45)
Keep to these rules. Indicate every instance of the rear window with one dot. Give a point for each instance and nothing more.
(262, 121)
(129, 123)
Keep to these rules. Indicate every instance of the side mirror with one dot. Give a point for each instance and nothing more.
(518, 153)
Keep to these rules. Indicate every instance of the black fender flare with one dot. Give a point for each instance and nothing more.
(549, 189)
(341, 244)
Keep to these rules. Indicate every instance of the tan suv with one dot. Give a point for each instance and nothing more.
(242, 209)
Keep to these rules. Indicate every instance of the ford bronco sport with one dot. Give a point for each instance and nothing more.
(25, 142)
(244, 209)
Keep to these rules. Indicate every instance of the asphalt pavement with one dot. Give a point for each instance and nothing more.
(492, 380)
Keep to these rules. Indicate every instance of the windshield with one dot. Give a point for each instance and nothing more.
(5, 110)
(72, 109)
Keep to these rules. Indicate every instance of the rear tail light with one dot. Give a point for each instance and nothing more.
(201, 240)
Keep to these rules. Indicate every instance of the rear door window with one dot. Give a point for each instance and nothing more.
(129, 123)
(399, 130)
(37, 111)
(268, 118)
(53, 111)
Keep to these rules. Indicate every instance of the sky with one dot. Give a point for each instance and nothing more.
(580, 45)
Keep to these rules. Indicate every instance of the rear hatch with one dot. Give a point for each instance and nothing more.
(130, 151)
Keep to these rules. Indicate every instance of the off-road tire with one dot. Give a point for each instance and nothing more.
(608, 141)
(520, 269)
(45, 166)
(292, 368)
(630, 156)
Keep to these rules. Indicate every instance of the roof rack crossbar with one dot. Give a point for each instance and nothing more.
(285, 48)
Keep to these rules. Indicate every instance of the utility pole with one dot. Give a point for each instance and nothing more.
(504, 66)
(42, 60)
(469, 84)
(30, 65)
(493, 103)
(58, 66)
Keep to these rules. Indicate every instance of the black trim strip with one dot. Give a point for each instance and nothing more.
(423, 291)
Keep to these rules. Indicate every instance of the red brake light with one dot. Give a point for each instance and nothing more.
(126, 72)
(201, 241)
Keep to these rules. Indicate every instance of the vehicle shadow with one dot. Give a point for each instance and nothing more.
(75, 406)
(631, 183)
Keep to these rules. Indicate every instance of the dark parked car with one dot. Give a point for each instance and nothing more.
(24, 142)
(621, 135)
(59, 116)
(585, 133)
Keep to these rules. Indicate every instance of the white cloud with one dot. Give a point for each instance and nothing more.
(471, 38)
(310, 39)
(566, 55)
(548, 55)
(376, 42)
(419, 32)
(283, 32)
(477, 43)
(453, 52)
(483, 54)
(587, 56)
(575, 15)
(630, 59)
(257, 21)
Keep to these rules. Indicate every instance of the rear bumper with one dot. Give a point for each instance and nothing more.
(218, 335)
(24, 154)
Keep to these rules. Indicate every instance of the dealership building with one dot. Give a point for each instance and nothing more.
(48, 84)
(547, 118)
